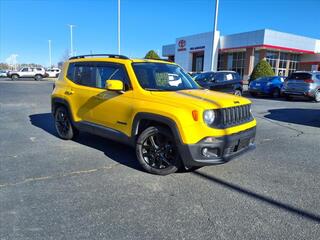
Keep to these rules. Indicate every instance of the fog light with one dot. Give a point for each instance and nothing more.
(209, 152)
(209, 140)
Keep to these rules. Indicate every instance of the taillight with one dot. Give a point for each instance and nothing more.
(308, 81)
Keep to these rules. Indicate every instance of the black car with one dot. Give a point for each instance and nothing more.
(222, 81)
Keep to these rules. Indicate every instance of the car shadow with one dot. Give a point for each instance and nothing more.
(259, 197)
(308, 117)
(118, 152)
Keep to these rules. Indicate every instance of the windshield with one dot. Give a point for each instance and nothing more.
(162, 77)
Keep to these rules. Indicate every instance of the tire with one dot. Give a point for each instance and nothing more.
(237, 92)
(63, 124)
(276, 93)
(14, 77)
(157, 152)
(253, 94)
(38, 77)
(317, 96)
(288, 97)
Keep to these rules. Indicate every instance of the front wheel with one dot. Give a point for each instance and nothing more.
(237, 92)
(63, 124)
(275, 93)
(38, 77)
(157, 151)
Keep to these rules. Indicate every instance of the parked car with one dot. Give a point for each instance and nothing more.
(154, 106)
(302, 83)
(223, 81)
(28, 72)
(266, 86)
(53, 72)
(3, 73)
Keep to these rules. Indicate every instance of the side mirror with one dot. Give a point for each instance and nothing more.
(114, 85)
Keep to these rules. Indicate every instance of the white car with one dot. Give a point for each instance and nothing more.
(3, 73)
(53, 72)
(28, 72)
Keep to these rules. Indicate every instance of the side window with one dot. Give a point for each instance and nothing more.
(219, 77)
(70, 73)
(318, 77)
(236, 76)
(96, 74)
(229, 77)
(24, 70)
(85, 74)
(106, 72)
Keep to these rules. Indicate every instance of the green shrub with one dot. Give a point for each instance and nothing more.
(152, 55)
(262, 69)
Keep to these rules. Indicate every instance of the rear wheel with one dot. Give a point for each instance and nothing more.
(288, 97)
(63, 124)
(275, 93)
(157, 151)
(317, 96)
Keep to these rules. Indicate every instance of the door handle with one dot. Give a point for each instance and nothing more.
(69, 92)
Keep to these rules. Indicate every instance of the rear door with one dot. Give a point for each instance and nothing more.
(80, 90)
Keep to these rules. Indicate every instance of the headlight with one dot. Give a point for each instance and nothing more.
(208, 116)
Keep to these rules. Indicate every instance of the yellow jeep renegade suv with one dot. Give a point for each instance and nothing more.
(154, 106)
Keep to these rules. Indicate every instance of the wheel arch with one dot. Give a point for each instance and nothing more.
(58, 102)
(143, 120)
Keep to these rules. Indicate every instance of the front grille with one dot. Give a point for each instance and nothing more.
(228, 117)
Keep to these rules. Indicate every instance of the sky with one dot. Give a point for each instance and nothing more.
(27, 25)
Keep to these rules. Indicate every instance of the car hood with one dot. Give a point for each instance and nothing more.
(202, 98)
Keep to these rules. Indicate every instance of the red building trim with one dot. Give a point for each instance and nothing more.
(272, 47)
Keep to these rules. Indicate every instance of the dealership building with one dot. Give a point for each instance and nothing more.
(240, 52)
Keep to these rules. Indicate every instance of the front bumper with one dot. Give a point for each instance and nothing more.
(220, 151)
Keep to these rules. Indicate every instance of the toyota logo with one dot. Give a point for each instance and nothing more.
(182, 43)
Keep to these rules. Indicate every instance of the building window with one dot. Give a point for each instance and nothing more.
(236, 62)
(272, 58)
(256, 58)
(220, 62)
(283, 64)
(294, 59)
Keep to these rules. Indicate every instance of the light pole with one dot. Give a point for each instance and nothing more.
(50, 62)
(71, 39)
(214, 40)
(119, 27)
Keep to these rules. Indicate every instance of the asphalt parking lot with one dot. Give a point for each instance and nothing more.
(93, 188)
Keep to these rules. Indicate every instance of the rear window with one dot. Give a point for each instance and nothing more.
(300, 76)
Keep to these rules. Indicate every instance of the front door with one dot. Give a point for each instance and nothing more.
(197, 61)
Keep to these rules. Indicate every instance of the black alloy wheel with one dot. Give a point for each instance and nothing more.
(157, 152)
(63, 124)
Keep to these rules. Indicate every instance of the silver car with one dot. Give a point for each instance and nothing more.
(302, 84)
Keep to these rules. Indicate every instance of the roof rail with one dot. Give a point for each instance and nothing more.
(100, 55)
